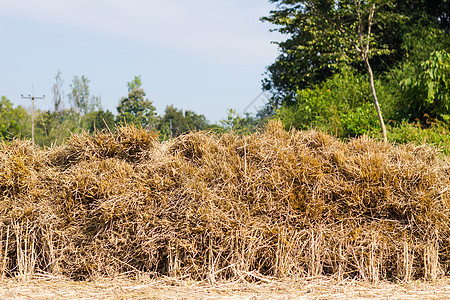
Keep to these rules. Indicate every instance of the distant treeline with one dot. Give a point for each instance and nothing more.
(85, 114)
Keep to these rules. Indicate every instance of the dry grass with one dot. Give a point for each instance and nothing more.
(173, 288)
(221, 207)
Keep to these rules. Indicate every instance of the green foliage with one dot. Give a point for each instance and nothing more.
(323, 37)
(322, 34)
(176, 122)
(428, 92)
(241, 125)
(13, 121)
(99, 120)
(80, 96)
(436, 134)
(426, 13)
(136, 109)
(403, 42)
(419, 42)
(341, 106)
(56, 127)
(408, 81)
(135, 83)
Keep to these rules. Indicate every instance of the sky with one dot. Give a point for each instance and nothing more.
(201, 55)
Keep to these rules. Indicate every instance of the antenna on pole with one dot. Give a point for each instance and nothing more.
(32, 97)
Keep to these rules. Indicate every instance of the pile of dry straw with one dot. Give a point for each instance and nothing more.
(216, 207)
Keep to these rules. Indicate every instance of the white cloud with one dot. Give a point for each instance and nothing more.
(225, 32)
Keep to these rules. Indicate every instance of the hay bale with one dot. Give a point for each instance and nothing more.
(221, 206)
(128, 143)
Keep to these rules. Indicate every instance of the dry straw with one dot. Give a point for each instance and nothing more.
(215, 207)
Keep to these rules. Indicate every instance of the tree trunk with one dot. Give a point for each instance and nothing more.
(375, 100)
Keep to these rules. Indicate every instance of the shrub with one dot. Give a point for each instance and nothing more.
(436, 134)
(342, 106)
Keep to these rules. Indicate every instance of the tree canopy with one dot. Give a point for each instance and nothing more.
(320, 34)
(176, 121)
(80, 95)
(135, 108)
(12, 120)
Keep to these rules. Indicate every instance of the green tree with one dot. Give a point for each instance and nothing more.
(99, 120)
(13, 121)
(56, 127)
(419, 45)
(315, 46)
(428, 89)
(356, 25)
(80, 96)
(427, 13)
(176, 121)
(58, 92)
(327, 35)
(321, 38)
(136, 109)
(242, 125)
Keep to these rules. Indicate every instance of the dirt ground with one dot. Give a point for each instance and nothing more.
(172, 288)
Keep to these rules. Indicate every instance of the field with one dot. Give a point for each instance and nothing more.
(172, 288)
(215, 209)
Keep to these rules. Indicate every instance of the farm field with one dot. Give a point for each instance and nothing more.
(172, 288)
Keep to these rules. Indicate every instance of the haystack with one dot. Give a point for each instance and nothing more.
(215, 207)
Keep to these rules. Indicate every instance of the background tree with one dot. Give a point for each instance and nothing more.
(299, 63)
(310, 53)
(176, 121)
(341, 106)
(391, 41)
(316, 47)
(56, 127)
(428, 89)
(242, 125)
(327, 35)
(58, 92)
(80, 96)
(136, 109)
(13, 121)
(422, 72)
(425, 13)
(99, 120)
(356, 24)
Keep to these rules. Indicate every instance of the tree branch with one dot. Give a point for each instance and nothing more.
(369, 29)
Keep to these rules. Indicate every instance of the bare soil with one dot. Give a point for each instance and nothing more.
(173, 288)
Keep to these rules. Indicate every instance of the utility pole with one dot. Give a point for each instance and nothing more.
(32, 109)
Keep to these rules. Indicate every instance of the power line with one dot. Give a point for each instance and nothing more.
(32, 109)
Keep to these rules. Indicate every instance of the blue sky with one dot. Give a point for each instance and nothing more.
(202, 55)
